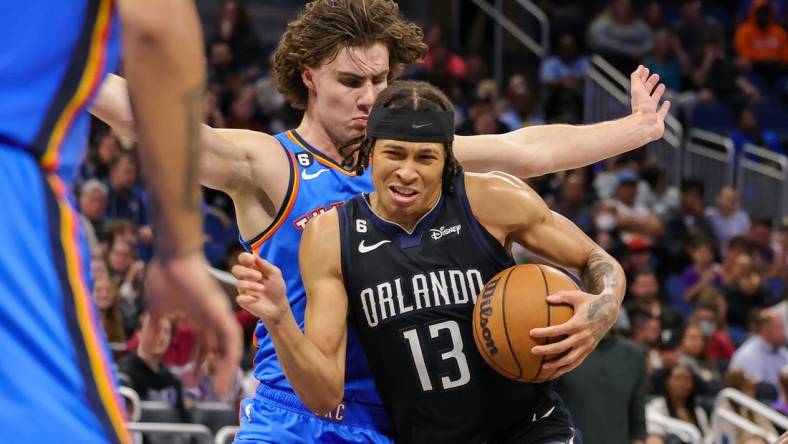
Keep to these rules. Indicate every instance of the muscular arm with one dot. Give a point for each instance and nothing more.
(231, 157)
(529, 222)
(538, 150)
(314, 361)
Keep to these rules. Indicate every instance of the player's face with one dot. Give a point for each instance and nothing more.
(407, 178)
(342, 90)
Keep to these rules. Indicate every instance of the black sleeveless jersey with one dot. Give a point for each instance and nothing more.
(411, 298)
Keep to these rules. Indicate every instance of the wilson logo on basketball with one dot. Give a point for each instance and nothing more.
(485, 311)
(437, 233)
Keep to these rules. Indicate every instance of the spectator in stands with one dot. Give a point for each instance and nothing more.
(748, 131)
(686, 222)
(736, 246)
(716, 77)
(645, 330)
(439, 59)
(520, 104)
(693, 354)
(669, 60)
(634, 220)
(747, 438)
(222, 72)
(243, 111)
(235, 28)
(482, 119)
(719, 345)
(92, 205)
(727, 219)
(149, 377)
(126, 273)
(678, 398)
(738, 380)
(606, 182)
(704, 273)
(213, 112)
(125, 200)
(762, 42)
(574, 204)
(781, 405)
(107, 299)
(656, 194)
(763, 356)
(693, 28)
(620, 36)
(654, 439)
(651, 13)
(643, 296)
(768, 258)
(566, 69)
(589, 391)
(744, 291)
(100, 157)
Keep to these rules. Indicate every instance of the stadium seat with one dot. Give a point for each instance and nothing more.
(158, 411)
(772, 117)
(714, 117)
(214, 415)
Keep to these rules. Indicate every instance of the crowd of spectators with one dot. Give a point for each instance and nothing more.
(705, 305)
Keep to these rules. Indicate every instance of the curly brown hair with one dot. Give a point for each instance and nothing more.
(323, 27)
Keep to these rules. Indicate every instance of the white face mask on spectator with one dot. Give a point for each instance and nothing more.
(707, 327)
(605, 221)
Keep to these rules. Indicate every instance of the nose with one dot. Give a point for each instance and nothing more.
(406, 174)
(367, 97)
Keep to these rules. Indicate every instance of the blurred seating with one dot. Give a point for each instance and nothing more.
(214, 415)
(714, 117)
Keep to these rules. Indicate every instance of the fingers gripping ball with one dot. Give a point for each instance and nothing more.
(509, 306)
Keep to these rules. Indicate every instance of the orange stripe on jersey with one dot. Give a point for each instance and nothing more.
(320, 157)
(94, 67)
(91, 333)
(282, 216)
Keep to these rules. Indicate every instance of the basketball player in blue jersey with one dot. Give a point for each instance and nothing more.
(403, 265)
(332, 61)
(56, 377)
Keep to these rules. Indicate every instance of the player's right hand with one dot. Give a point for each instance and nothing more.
(261, 289)
(182, 286)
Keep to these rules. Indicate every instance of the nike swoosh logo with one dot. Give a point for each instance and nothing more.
(367, 248)
(308, 176)
(414, 126)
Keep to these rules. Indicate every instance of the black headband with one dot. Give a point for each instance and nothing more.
(410, 125)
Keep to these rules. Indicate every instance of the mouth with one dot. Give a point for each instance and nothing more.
(360, 120)
(403, 195)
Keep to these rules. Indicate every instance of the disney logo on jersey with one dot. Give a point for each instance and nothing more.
(438, 233)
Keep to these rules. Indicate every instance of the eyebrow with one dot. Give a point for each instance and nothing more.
(356, 75)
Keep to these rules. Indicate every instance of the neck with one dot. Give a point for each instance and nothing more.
(406, 221)
(151, 360)
(317, 136)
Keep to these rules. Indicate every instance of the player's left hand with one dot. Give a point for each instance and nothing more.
(646, 92)
(594, 316)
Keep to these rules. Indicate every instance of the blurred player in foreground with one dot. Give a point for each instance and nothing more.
(57, 379)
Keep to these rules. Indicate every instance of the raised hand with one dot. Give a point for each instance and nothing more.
(646, 92)
(261, 289)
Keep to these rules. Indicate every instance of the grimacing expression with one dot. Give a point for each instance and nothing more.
(407, 178)
(343, 89)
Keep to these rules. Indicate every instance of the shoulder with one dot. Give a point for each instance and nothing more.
(658, 405)
(489, 192)
(323, 225)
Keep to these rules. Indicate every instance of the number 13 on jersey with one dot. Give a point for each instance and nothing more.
(452, 328)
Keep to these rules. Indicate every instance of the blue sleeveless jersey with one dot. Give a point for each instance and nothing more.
(56, 367)
(317, 184)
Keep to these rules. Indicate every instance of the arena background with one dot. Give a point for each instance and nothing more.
(698, 219)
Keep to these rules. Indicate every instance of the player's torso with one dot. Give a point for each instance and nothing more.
(317, 184)
(53, 57)
(411, 300)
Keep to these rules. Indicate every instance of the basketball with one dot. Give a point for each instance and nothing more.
(509, 306)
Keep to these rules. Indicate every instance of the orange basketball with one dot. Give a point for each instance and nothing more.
(509, 306)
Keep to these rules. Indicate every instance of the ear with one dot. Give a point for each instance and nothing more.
(307, 76)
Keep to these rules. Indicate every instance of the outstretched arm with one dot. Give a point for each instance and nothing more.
(314, 362)
(230, 157)
(529, 222)
(538, 150)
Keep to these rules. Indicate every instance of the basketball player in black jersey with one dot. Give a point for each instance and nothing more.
(404, 265)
